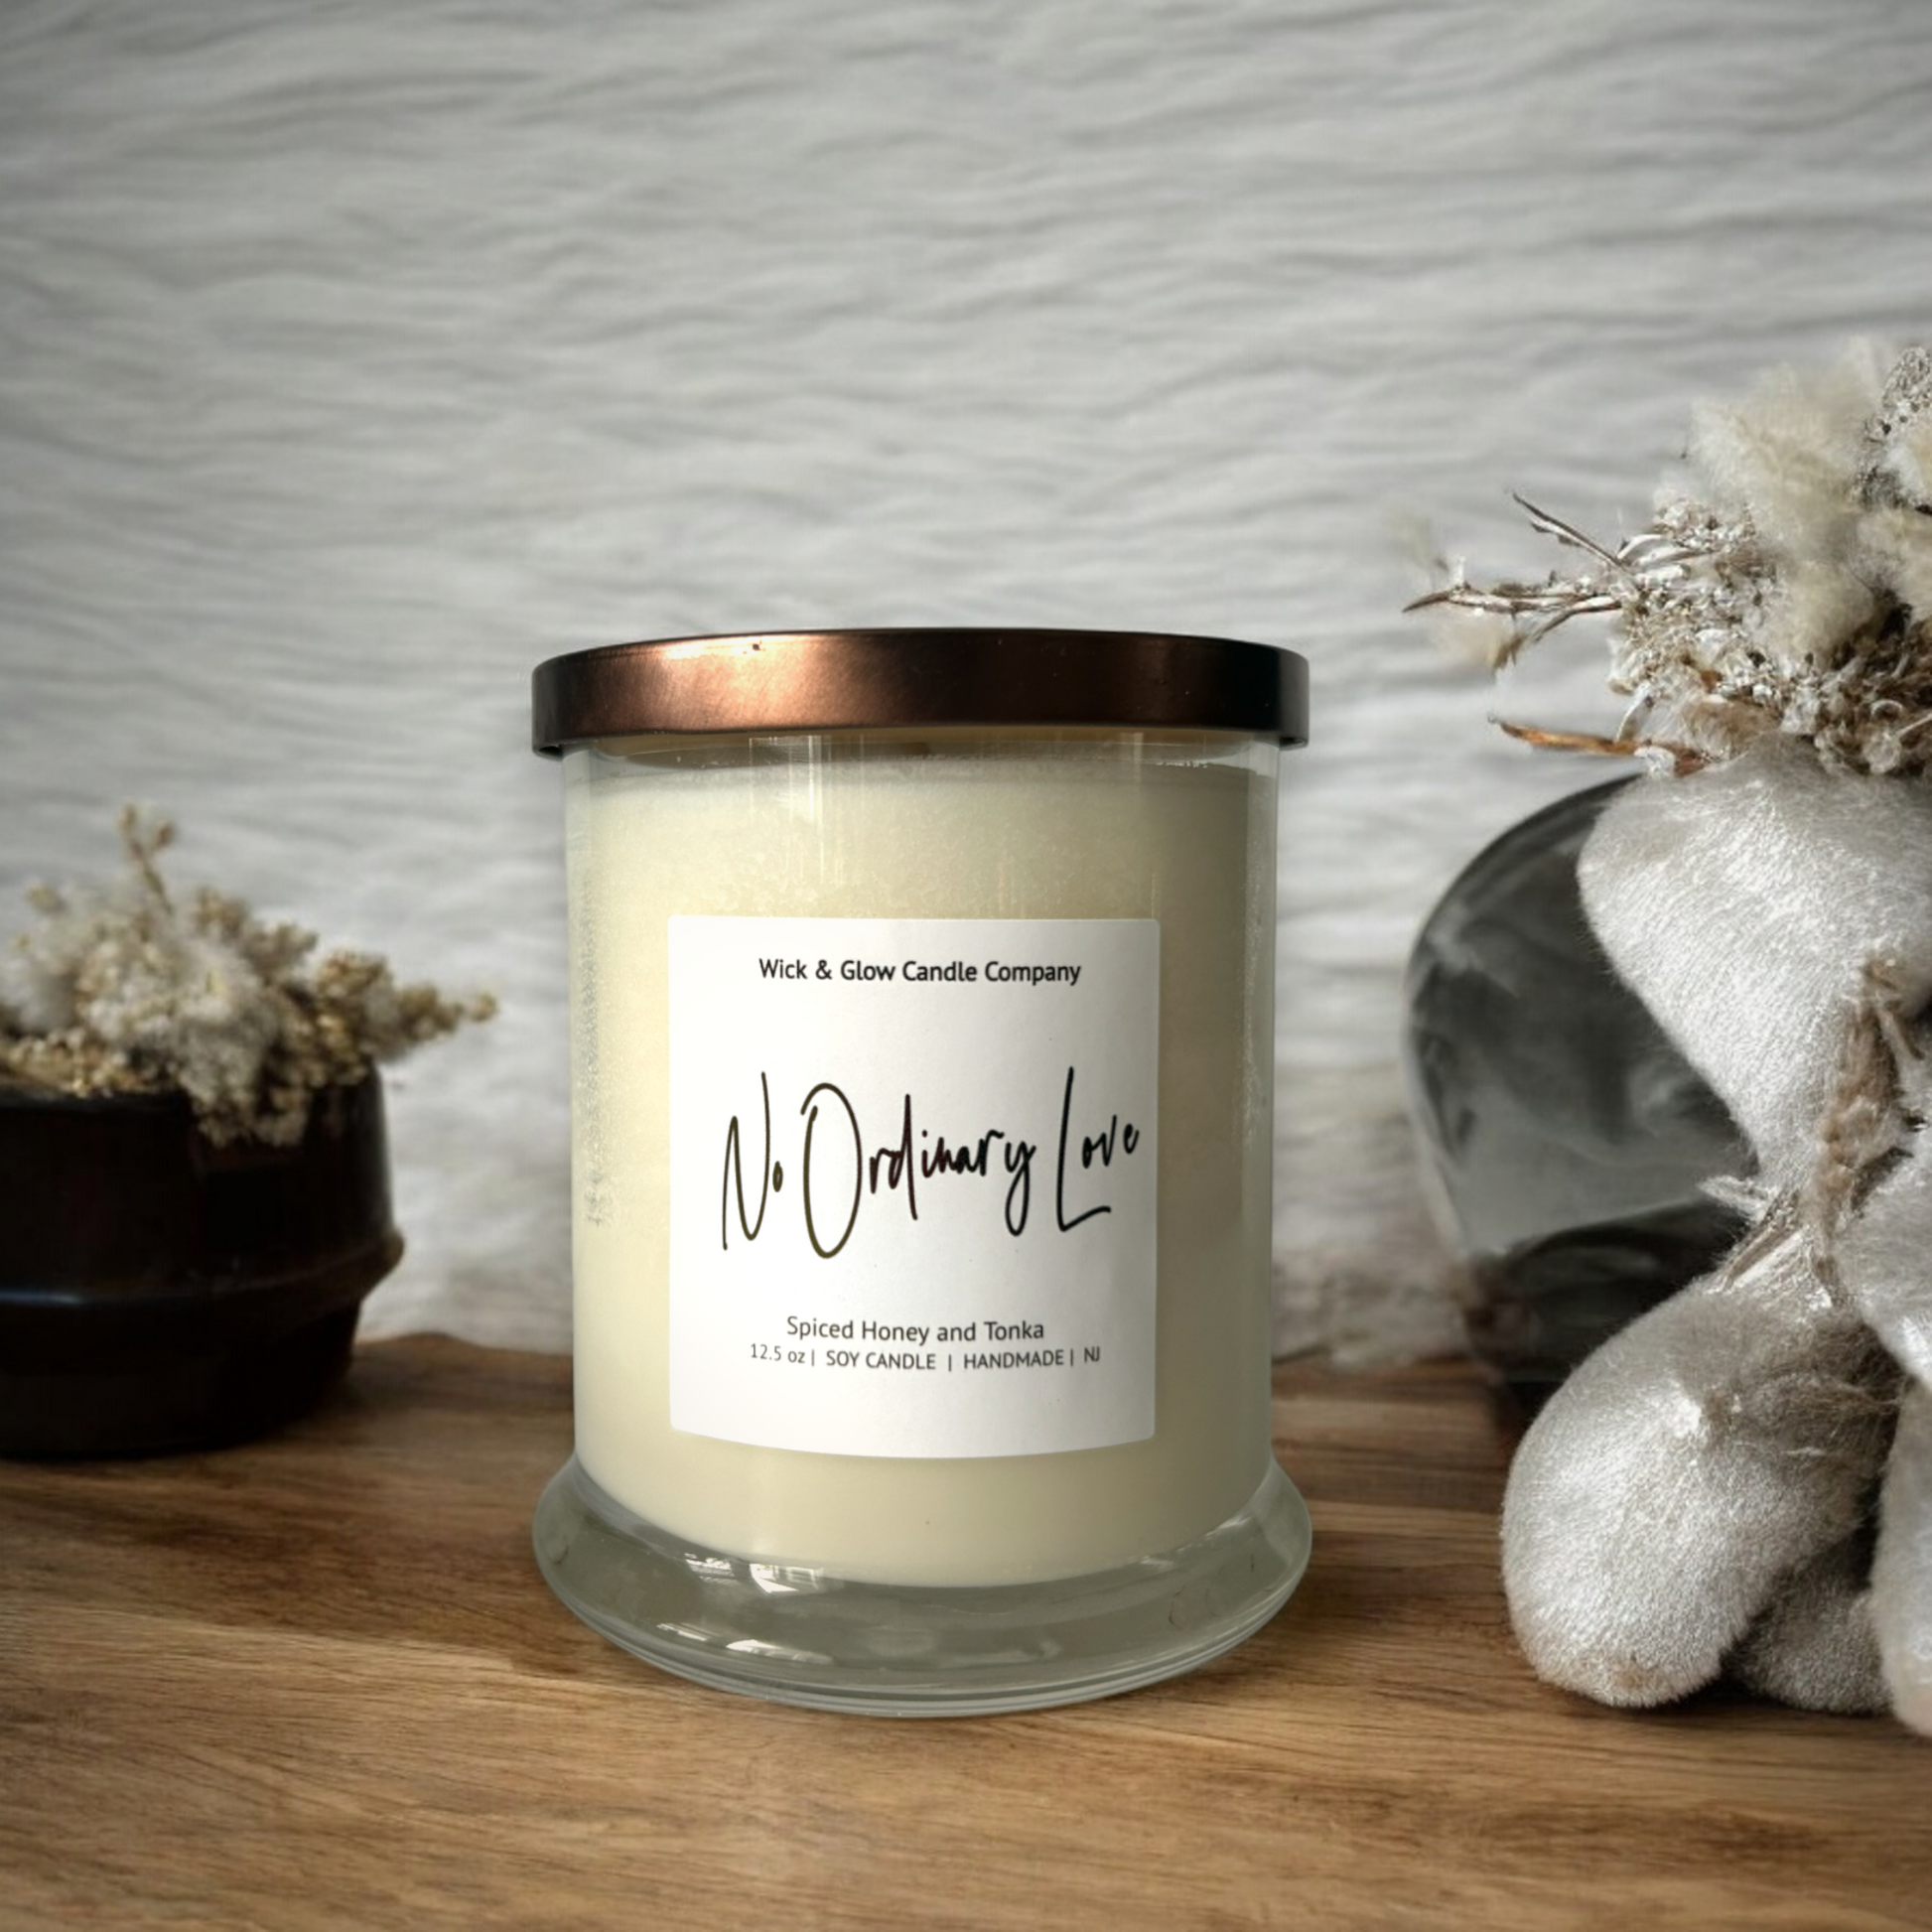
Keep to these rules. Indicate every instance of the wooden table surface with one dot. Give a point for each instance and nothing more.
(318, 1683)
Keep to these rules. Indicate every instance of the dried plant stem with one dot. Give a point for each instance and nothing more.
(1791, 591)
(120, 989)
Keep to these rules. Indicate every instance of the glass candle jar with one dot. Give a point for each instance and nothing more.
(921, 1094)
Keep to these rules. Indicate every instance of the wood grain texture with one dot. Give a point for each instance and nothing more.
(318, 1683)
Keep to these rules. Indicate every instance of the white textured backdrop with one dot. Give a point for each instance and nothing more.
(354, 356)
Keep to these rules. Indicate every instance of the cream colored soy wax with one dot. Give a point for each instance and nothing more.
(1173, 827)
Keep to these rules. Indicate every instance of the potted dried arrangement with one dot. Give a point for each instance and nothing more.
(1741, 1480)
(193, 1169)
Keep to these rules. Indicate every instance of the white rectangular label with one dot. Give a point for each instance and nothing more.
(912, 1174)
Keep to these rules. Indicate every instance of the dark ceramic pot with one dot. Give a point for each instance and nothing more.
(159, 1292)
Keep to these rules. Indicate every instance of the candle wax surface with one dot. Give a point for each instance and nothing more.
(962, 825)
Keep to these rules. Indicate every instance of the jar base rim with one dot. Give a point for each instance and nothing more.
(798, 1634)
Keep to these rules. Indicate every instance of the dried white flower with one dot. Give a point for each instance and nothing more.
(1788, 588)
(119, 990)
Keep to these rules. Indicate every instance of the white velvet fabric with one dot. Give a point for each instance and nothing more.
(355, 357)
(1744, 906)
(1901, 1578)
(1703, 1490)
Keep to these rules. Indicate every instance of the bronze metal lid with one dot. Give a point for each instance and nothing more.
(831, 680)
